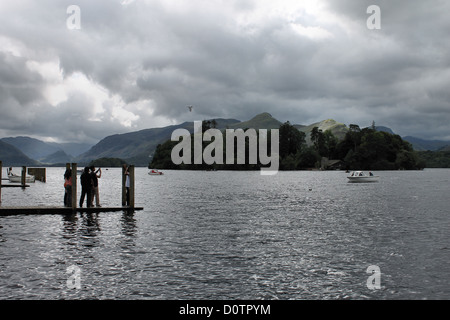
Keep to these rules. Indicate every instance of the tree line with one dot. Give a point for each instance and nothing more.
(435, 159)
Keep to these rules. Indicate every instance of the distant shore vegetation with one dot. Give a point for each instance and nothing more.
(361, 149)
(435, 159)
(107, 163)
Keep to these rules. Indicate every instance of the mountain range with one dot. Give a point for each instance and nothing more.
(138, 147)
(28, 151)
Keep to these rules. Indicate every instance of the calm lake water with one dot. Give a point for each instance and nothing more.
(234, 235)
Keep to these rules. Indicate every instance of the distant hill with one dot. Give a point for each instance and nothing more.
(384, 129)
(11, 156)
(138, 147)
(424, 145)
(46, 152)
(33, 148)
(339, 130)
(72, 149)
(261, 121)
(419, 144)
(57, 157)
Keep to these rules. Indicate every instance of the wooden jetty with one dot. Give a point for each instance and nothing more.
(21, 185)
(15, 186)
(8, 211)
(4, 211)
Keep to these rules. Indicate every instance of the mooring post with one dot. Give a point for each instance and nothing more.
(1, 170)
(124, 190)
(132, 186)
(24, 172)
(74, 185)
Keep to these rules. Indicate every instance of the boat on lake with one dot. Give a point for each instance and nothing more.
(361, 176)
(155, 173)
(18, 179)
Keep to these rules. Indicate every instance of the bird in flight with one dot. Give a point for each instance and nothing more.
(190, 108)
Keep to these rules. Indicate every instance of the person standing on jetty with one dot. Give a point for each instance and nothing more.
(68, 188)
(95, 175)
(127, 184)
(86, 187)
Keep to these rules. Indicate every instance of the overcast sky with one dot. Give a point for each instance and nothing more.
(138, 64)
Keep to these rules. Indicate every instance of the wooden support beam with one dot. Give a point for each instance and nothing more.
(124, 191)
(74, 185)
(132, 186)
(128, 173)
(23, 178)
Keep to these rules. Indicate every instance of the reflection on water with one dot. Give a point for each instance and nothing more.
(221, 235)
(100, 253)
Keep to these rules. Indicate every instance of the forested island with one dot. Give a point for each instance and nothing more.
(360, 149)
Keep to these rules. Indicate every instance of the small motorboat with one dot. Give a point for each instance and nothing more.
(18, 179)
(155, 173)
(361, 176)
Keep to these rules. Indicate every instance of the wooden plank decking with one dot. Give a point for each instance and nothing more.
(38, 210)
(15, 186)
(7, 211)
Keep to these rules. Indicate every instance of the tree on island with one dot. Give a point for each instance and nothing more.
(368, 149)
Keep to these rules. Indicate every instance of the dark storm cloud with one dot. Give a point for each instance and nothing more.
(406, 67)
(228, 59)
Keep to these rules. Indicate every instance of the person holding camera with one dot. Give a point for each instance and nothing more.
(95, 175)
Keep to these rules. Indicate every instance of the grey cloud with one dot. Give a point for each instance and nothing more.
(199, 56)
(17, 82)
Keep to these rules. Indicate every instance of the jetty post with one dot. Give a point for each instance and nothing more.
(132, 185)
(74, 185)
(131, 171)
(23, 180)
(124, 191)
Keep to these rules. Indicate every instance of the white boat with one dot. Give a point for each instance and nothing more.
(361, 176)
(18, 179)
(155, 173)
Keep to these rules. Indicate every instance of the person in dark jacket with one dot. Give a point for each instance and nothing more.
(68, 188)
(86, 187)
(95, 175)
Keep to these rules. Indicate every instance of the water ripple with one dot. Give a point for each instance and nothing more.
(228, 235)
